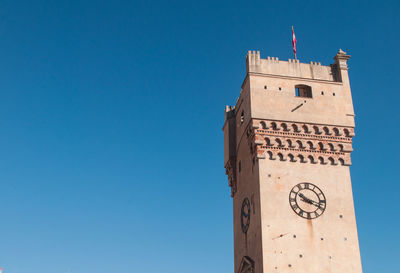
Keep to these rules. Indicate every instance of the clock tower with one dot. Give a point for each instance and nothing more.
(287, 151)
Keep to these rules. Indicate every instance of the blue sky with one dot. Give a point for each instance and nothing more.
(111, 148)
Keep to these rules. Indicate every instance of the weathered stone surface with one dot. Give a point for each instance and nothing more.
(275, 140)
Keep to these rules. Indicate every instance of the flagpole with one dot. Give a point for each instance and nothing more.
(294, 41)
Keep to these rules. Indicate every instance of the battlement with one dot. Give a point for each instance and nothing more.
(294, 68)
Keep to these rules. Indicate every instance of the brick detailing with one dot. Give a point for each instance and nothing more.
(300, 142)
(230, 170)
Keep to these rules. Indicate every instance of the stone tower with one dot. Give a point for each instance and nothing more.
(288, 142)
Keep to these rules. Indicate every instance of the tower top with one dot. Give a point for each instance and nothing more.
(293, 68)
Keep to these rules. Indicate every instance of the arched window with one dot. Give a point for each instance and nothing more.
(303, 91)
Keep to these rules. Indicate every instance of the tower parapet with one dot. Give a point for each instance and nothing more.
(294, 68)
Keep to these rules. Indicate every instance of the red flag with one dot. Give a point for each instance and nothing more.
(294, 41)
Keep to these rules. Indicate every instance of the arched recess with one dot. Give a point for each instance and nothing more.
(331, 147)
(292, 158)
(274, 125)
(269, 142)
(336, 131)
(300, 144)
(341, 161)
(246, 265)
(305, 129)
(332, 161)
(285, 127)
(317, 130)
(321, 160)
(327, 131)
(281, 157)
(310, 145)
(270, 155)
(279, 142)
(346, 132)
(290, 143)
(302, 158)
(295, 128)
(321, 146)
(263, 125)
(312, 159)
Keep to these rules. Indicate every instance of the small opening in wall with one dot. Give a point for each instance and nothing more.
(242, 117)
(301, 256)
(322, 239)
(334, 94)
(303, 91)
(240, 166)
(280, 88)
(341, 216)
(265, 87)
(322, 93)
(294, 236)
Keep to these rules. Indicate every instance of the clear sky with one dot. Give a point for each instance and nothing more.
(111, 148)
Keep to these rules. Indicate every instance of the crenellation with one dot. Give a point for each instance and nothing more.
(290, 68)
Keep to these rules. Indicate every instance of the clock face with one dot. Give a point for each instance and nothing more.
(245, 215)
(307, 200)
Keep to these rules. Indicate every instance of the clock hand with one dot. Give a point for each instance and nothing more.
(312, 202)
(309, 201)
(305, 199)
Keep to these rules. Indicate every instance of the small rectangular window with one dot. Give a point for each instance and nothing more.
(303, 91)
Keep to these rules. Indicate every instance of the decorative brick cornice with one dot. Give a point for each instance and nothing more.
(230, 170)
(302, 142)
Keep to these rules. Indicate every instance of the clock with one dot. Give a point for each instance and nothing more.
(245, 215)
(307, 200)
